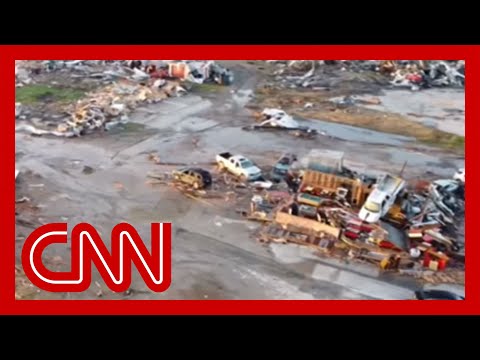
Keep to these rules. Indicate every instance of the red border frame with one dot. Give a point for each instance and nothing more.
(8, 304)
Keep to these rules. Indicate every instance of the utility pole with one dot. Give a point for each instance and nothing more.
(403, 168)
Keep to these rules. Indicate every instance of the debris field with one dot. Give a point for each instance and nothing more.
(136, 130)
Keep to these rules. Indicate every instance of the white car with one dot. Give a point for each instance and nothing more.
(460, 175)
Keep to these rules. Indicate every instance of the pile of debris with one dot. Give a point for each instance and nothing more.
(197, 71)
(318, 202)
(100, 108)
(413, 74)
(27, 72)
(434, 277)
(109, 105)
(130, 83)
(277, 119)
(425, 74)
(327, 211)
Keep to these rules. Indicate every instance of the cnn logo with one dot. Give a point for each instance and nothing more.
(87, 247)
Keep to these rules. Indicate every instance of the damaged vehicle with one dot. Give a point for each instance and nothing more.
(239, 166)
(280, 170)
(221, 75)
(195, 177)
(436, 295)
(382, 198)
(448, 196)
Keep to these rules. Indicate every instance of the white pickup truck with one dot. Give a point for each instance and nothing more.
(239, 166)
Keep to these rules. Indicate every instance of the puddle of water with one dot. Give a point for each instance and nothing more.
(242, 97)
(128, 127)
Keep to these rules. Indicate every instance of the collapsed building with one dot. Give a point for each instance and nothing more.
(323, 213)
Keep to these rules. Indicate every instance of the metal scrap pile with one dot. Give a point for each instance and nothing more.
(435, 217)
(416, 74)
(413, 74)
(26, 71)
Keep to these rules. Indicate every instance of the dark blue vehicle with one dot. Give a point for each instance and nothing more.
(436, 295)
(280, 170)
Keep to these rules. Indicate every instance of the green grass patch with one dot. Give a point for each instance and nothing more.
(207, 88)
(31, 94)
(447, 141)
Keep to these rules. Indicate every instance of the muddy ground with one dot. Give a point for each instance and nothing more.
(102, 179)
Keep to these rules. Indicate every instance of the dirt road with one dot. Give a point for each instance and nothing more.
(101, 179)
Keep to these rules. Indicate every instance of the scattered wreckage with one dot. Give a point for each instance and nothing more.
(412, 74)
(278, 120)
(429, 244)
(130, 84)
(196, 177)
(198, 72)
(315, 201)
(324, 211)
(107, 106)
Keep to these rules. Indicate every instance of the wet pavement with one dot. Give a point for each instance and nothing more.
(443, 109)
(101, 179)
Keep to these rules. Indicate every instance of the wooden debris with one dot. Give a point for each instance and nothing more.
(197, 198)
(158, 176)
(155, 182)
(453, 277)
(284, 235)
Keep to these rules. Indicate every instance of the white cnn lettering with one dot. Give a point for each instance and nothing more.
(124, 236)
